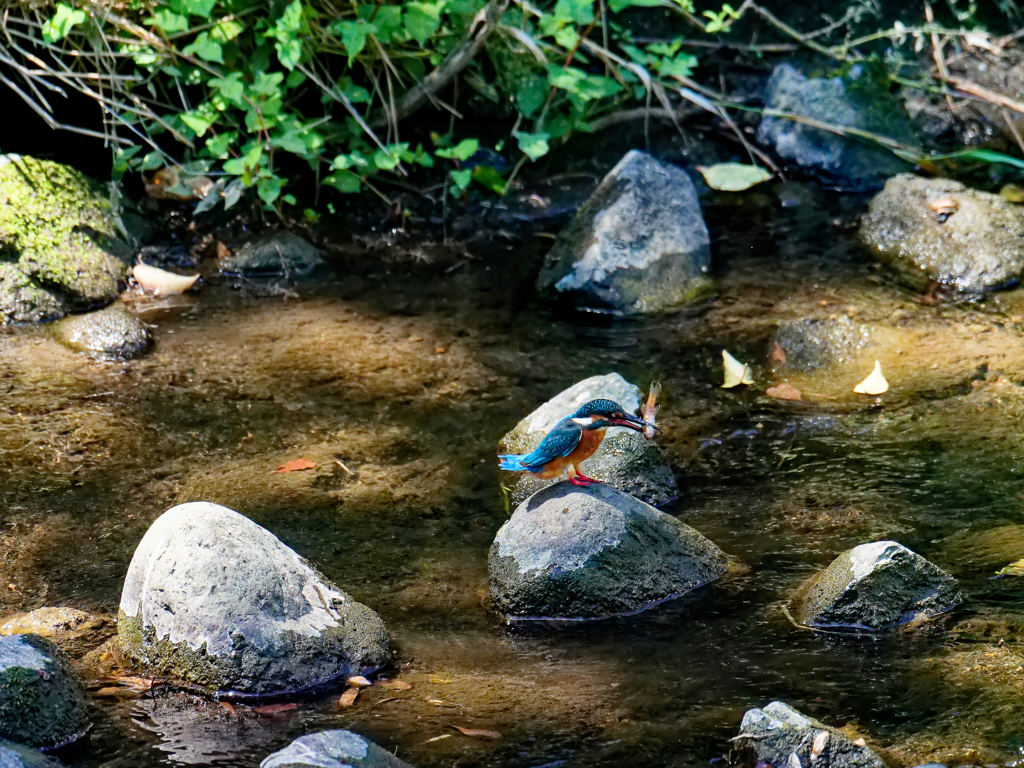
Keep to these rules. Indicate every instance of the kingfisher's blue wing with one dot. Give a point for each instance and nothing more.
(560, 441)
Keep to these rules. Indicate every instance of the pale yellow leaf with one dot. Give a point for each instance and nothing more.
(160, 281)
(736, 373)
(875, 384)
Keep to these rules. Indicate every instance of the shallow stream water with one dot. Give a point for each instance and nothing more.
(398, 379)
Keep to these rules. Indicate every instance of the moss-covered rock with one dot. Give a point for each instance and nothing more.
(41, 700)
(214, 599)
(626, 459)
(58, 238)
(112, 332)
(570, 552)
(938, 230)
(332, 749)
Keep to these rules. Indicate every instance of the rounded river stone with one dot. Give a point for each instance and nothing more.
(332, 749)
(113, 332)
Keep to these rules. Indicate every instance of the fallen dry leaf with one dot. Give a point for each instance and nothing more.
(348, 698)
(736, 373)
(274, 709)
(860, 742)
(778, 354)
(874, 384)
(438, 738)
(116, 692)
(295, 465)
(435, 702)
(358, 681)
(160, 281)
(223, 251)
(784, 391)
(394, 685)
(476, 733)
(130, 681)
(228, 707)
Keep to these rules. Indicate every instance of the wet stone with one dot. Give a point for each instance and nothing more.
(639, 244)
(625, 460)
(275, 254)
(215, 599)
(113, 333)
(332, 749)
(858, 98)
(938, 230)
(17, 756)
(42, 703)
(570, 552)
(813, 344)
(73, 630)
(876, 586)
(778, 732)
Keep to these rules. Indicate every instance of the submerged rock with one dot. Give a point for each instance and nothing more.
(638, 245)
(217, 600)
(860, 99)
(275, 254)
(42, 703)
(17, 756)
(73, 630)
(626, 459)
(939, 230)
(778, 732)
(59, 238)
(570, 552)
(812, 344)
(876, 586)
(332, 749)
(113, 332)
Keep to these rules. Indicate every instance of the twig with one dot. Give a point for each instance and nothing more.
(627, 115)
(342, 465)
(940, 60)
(984, 93)
(1013, 129)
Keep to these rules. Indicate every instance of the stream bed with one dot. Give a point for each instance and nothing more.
(398, 378)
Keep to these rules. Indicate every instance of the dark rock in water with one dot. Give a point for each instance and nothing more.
(587, 553)
(42, 704)
(332, 749)
(876, 586)
(113, 332)
(781, 736)
(215, 599)
(939, 230)
(859, 99)
(639, 245)
(18, 756)
(626, 459)
(60, 239)
(813, 344)
(275, 254)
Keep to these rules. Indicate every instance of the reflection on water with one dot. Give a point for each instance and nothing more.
(398, 380)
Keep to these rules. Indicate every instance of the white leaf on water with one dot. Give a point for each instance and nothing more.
(733, 177)
(160, 281)
(875, 384)
(736, 373)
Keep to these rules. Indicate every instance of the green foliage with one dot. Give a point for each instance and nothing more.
(224, 87)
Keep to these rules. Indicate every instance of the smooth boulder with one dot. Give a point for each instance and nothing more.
(778, 732)
(332, 749)
(42, 704)
(570, 552)
(62, 246)
(626, 459)
(858, 98)
(940, 231)
(638, 245)
(215, 599)
(876, 586)
(275, 254)
(110, 333)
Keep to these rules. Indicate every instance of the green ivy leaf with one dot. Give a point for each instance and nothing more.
(152, 161)
(576, 11)
(733, 177)
(198, 121)
(463, 151)
(531, 94)
(201, 8)
(422, 19)
(169, 21)
(289, 52)
(489, 178)
(217, 146)
(206, 48)
(681, 66)
(533, 145)
(388, 161)
(344, 181)
(619, 5)
(354, 93)
(269, 189)
(62, 22)
(265, 84)
(231, 88)
(353, 160)
(353, 36)
(388, 20)
(462, 178)
(226, 31)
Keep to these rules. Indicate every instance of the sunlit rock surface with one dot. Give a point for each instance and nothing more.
(875, 586)
(41, 700)
(584, 553)
(275, 254)
(332, 749)
(626, 459)
(215, 599)
(638, 245)
(812, 344)
(778, 732)
(938, 230)
(113, 332)
(858, 98)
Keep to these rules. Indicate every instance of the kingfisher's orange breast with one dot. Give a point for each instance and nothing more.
(589, 443)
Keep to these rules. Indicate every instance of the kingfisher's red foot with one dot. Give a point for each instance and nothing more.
(582, 480)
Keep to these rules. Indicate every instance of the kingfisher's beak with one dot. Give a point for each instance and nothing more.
(629, 421)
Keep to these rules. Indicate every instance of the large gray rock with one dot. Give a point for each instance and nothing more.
(778, 732)
(625, 459)
(113, 333)
(42, 703)
(972, 241)
(876, 586)
(332, 749)
(59, 239)
(812, 344)
(18, 756)
(638, 245)
(570, 552)
(279, 253)
(215, 599)
(860, 99)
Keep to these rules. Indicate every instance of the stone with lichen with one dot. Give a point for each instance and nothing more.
(59, 241)
(332, 749)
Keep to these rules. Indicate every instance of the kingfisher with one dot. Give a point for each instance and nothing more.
(572, 441)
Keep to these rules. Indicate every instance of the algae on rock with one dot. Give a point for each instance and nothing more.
(59, 241)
